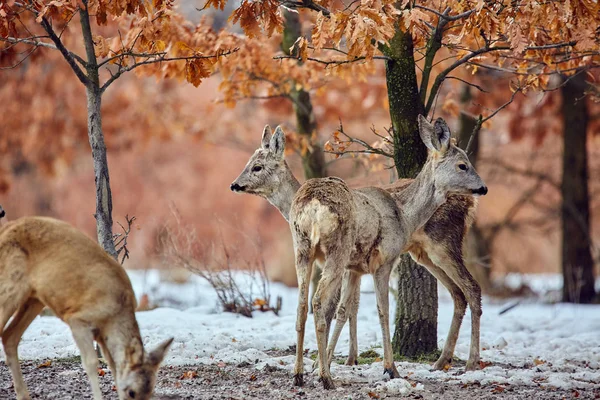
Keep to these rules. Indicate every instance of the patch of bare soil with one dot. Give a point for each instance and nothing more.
(65, 379)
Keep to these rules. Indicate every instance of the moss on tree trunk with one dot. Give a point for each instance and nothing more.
(416, 313)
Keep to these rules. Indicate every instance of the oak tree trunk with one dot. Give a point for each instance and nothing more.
(416, 311)
(577, 263)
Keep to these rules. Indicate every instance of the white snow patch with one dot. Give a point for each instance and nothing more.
(533, 344)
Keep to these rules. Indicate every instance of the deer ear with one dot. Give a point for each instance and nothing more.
(277, 144)
(441, 139)
(158, 354)
(266, 137)
(426, 132)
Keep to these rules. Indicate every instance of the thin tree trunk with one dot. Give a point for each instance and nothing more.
(103, 214)
(577, 263)
(416, 313)
(313, 160)
(477, 250)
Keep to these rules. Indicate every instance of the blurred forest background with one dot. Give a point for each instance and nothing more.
(174, 146)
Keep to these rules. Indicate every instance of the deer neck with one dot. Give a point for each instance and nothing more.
(286, 190)
(419, 200)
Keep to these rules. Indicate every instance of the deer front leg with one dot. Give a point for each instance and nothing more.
(472, 291)
(382, 279)
(11, 336)
(303, 272)
(460, 305)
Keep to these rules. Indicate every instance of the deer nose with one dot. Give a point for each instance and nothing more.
(236, 188)
(482, 191)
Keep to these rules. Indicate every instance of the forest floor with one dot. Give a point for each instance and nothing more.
(65, 379)
(531, 348)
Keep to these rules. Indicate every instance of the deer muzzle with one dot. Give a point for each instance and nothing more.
(481, 191)
(236, 188)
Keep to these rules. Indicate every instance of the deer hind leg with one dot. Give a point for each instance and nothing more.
(382, 282)
(472, 291)
(350, 285)
(11, 337)
(460, 306)
(304, 265)
(84, 338)
(353, 321)
(325, 298)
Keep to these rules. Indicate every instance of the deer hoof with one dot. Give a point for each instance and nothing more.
(299, 380)
(442, 364)
(351, 361)
(327, 383)
(473, 365)
(392, 372)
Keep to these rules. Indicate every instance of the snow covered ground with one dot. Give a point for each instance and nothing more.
(533, 344)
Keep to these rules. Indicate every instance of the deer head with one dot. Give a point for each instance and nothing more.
(266, 169)
(452, 171)
(136, 380)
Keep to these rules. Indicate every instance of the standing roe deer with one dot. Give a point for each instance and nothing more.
(46, 262)
(354, 231)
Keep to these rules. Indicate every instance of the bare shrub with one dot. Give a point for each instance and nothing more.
(239, 280)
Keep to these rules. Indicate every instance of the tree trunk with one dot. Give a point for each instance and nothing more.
(416, 312)
(313, 160)
(103, 214)
(577, 263)
(477, 251)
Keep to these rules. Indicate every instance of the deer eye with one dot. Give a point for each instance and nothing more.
(131, 394)
(256, 168)
(463, 167)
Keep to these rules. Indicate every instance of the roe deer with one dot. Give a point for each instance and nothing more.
(46, 262)
(354, 231)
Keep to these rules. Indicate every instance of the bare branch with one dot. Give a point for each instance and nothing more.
(309, 4)
(333, 62)
(468, 83)
(120, 239)
(368, 149)
(440, 78)
(444, 16)
(481, 120)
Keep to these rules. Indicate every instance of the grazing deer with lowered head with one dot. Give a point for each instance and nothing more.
(353, 231)
(46, 262)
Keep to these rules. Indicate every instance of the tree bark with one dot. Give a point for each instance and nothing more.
(103, 214)
(577, 262)
(477, 250)
(416, 312)
(313, 160)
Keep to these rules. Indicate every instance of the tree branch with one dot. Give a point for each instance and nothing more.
(69, 56)
(333, 62)
(160, 58)
(440, 78)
